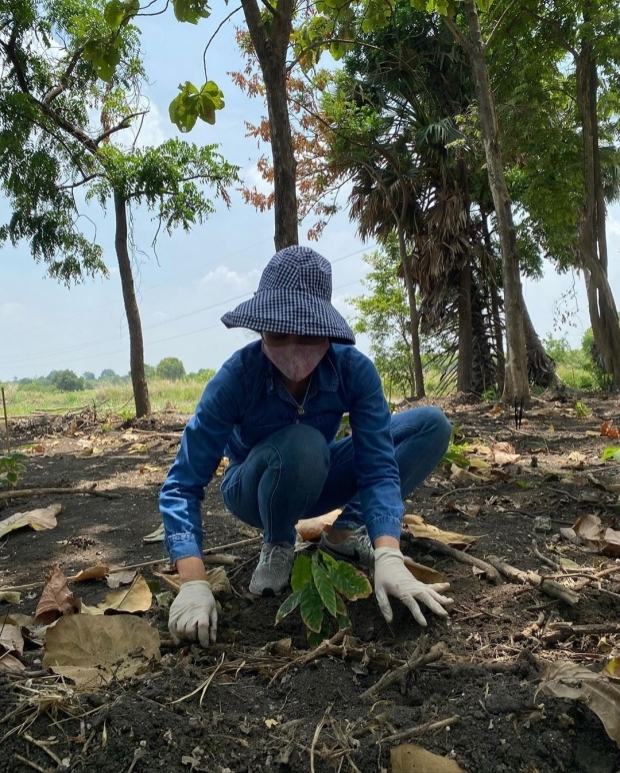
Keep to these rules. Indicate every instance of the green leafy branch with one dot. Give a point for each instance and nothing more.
(193, 103)
(611, 452)
(322, 584)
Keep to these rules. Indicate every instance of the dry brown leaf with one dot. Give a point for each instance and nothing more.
(148, 468)
(571, 680)
(495, 411)
(423, 573)
(93, 650)
(468, 509)
(138, 448)
(409, 758)
(612, 669)
(56, 599)
(119, 576)
(40, 519)
(504, 453)
(136, 598)
(10, 597)
(9, 662)
(596, 536)
(608, 430)
(415, 525)
(95, 572)
(11, 639)
(155, 536)
(466, 477)
(311, 528)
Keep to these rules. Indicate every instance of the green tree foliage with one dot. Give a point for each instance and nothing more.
(171, 369)
(67, 381)
(383, 315)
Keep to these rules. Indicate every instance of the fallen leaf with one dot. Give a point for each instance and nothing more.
(595, 535)
(311, 528)
(564, 679)
(36, 449)
(566, 563)
(56, 599)
(40, 519)
(95, 572)
(9, 662)
(136, 598)
(155, 536)
(468, 509)
(415, 525)
(612, 669)
(119, 576)
(409, 758)
(10, 597)
(466, 477)
(147, 468)
(577, 457)
(138, 448)
(495, 411)
(11, 639)
(608, 430)
(423, 573)
(93, 650)
(271, 723)
(503, 454)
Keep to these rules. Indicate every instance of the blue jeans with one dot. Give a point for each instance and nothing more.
(294, 474)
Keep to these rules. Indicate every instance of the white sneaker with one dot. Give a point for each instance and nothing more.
(357, 548)
(273, 571)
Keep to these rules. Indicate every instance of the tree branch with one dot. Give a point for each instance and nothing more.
(57, 90)
(83, 181)
(456, 32)
(559, 32)
(269, 7)
(498, 24)
(123, 124)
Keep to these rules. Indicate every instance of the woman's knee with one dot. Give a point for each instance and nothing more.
(301, 450)
(426, 420)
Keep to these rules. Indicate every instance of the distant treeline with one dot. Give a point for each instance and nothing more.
(170, 369)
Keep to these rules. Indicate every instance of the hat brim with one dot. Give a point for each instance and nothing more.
(291, 312)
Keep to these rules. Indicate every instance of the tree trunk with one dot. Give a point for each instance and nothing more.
(464, 369)
(593, 238)
(516, 382)
(136, 345)
(271, 48)
(498, 333)
(540, 367)
(414, 316)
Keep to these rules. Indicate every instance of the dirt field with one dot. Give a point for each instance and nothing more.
(310, 717)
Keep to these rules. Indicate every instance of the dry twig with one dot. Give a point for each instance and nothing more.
(39, 492)
(459, 555)
(545, 585)
(415, 732)
(416, 661)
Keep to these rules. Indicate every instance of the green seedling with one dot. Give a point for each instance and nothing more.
(322, 584)
(10, 468)
(581, 409)
(611, 452)
(455, 455)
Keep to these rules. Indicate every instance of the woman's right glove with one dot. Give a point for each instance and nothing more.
(193, 614)
(392, 578)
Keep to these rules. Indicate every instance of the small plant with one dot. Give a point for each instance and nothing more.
(455, 455)
(321, 583)
(581, 409)
(611, 452)
(10, 468)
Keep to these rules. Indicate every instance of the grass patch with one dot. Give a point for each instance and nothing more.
(183, 396)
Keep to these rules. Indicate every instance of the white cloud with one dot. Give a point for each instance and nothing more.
(12, 311)
(613, 226)
(226, 276)
(152, 130)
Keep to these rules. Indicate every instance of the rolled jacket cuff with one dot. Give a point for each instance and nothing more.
(384, 526)
(182, 545)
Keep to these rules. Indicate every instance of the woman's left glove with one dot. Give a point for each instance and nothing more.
(392, 578)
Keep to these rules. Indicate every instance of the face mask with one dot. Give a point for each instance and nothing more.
(296, 361)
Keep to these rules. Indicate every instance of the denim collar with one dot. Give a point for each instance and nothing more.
(324, 378)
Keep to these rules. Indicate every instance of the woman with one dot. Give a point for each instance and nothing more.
(274, 409)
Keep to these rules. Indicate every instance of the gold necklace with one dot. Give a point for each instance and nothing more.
(300, 406)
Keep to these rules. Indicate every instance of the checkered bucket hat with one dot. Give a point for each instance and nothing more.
(293, 296)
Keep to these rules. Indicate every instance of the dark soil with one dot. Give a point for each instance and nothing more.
(311, 716)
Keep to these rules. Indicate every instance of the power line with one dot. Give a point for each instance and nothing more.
(67, 350)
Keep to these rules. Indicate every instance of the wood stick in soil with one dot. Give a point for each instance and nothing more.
(549, 587)
(415, 732)
(39, 492)
(416, 661)
(459, 555)
(560, 631)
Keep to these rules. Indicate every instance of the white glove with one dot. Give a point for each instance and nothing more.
(394, 579)
(193, 614)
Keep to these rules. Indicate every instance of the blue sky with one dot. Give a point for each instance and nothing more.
(196, 277)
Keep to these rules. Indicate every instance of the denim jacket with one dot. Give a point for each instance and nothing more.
(246, 401)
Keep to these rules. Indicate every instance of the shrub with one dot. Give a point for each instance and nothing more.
(67, 381)
(171, 369)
